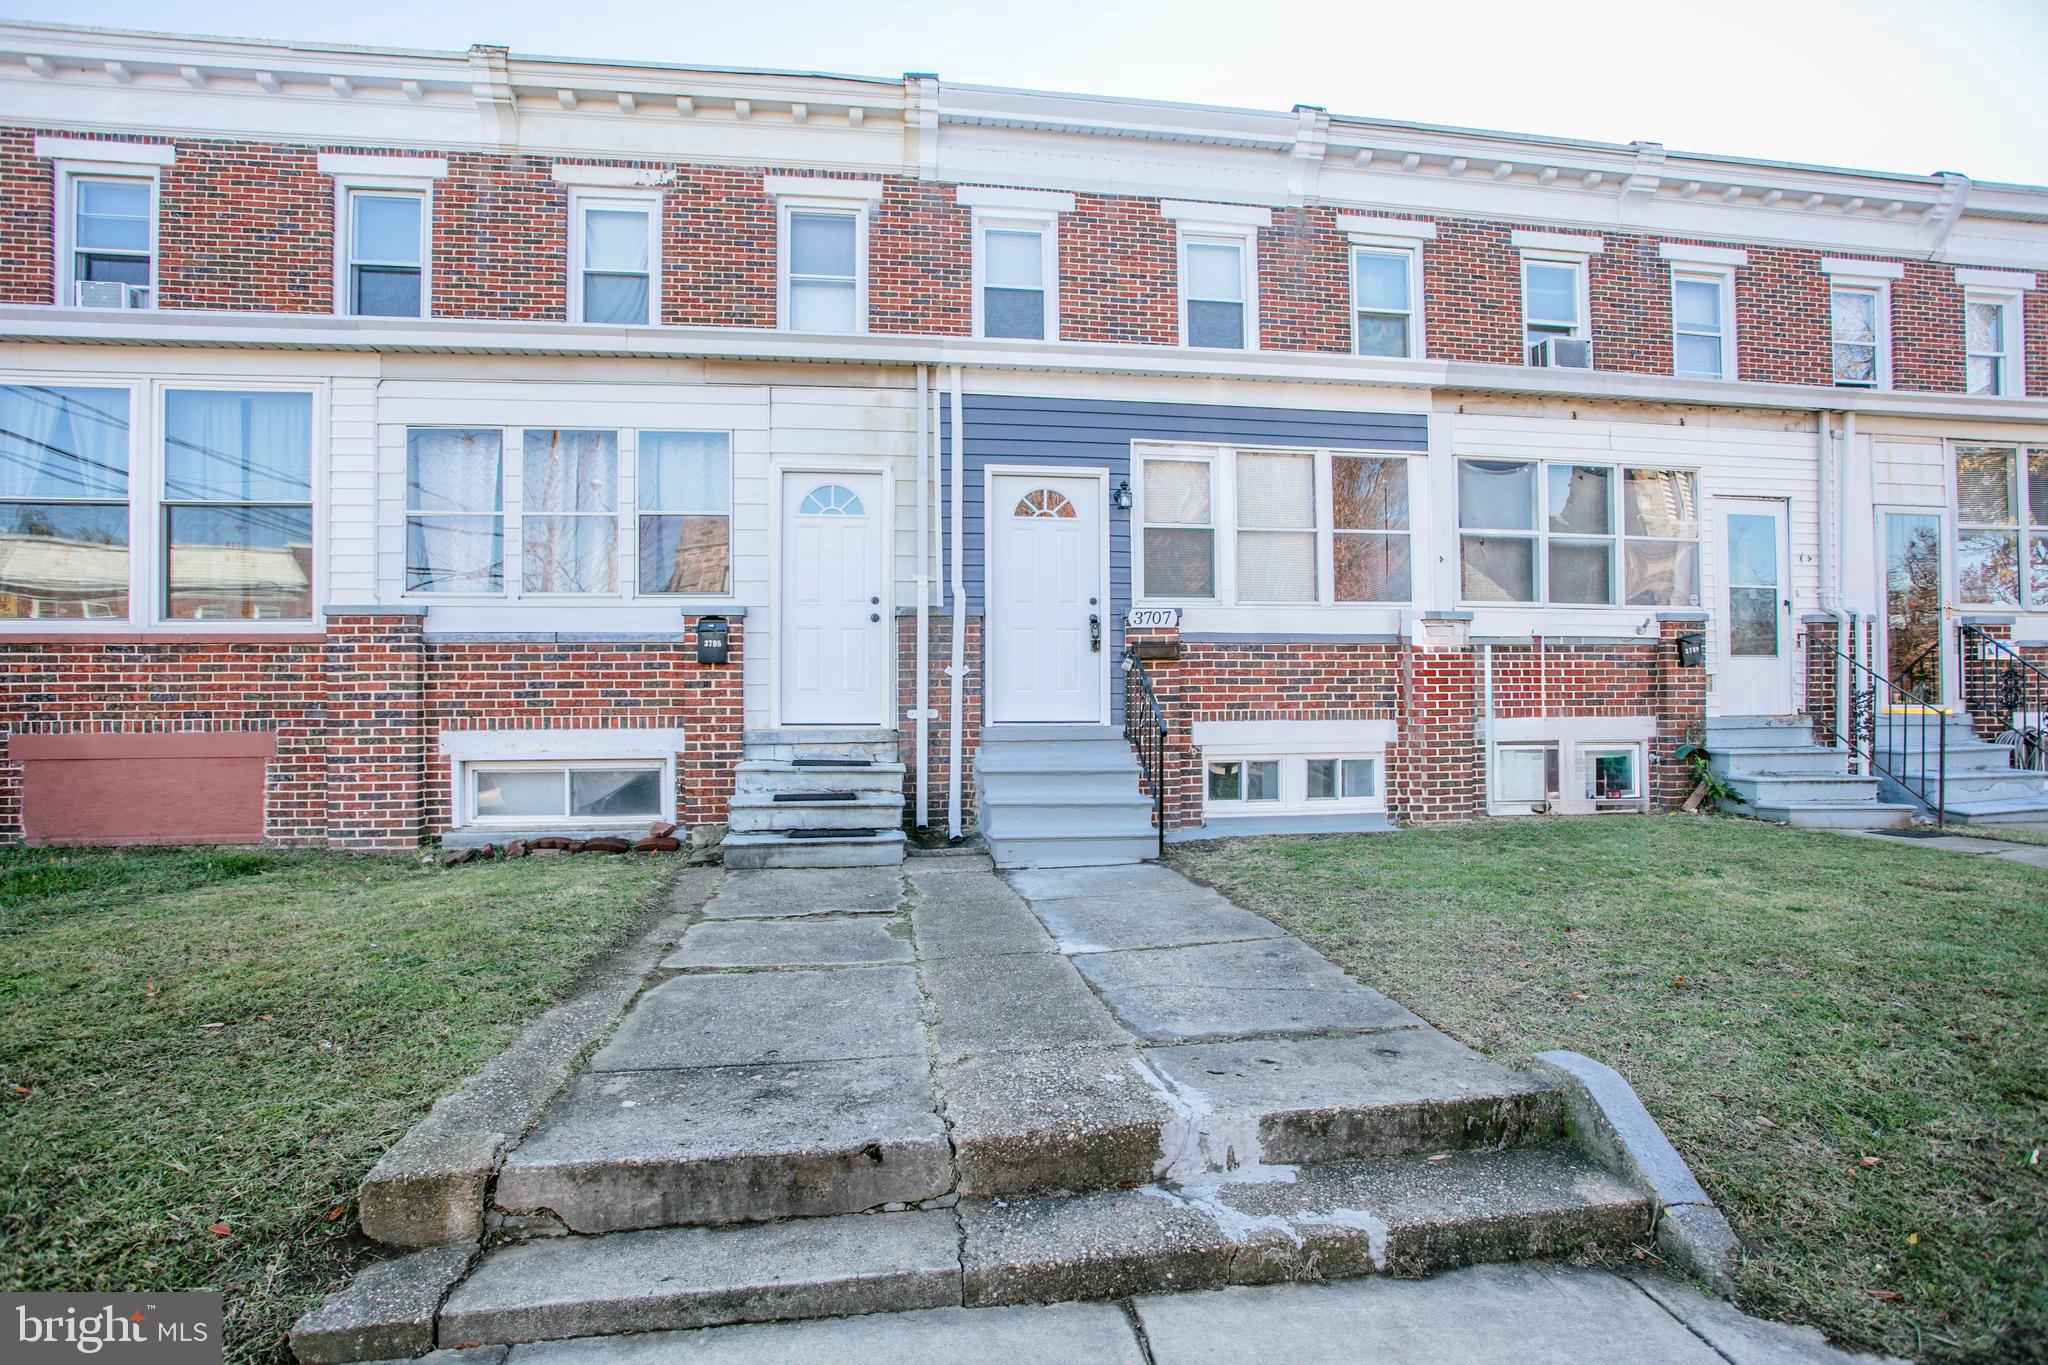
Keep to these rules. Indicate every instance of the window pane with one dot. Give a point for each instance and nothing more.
(387, 228)
(1986, 494)
(615, 795)
(114, 269)
(1179, 563)
(615, 240)
(1983, 375)
(1582, 571)
(821, 244)
(1696, 305)
(570, 471)
(1368, 493)
(238, 447)
(1013, 259)
(386, 292)
(1215, 271)
(1322, 779)
(1382, 335)
(63, 561)
(453, 471)
(239, 563)
(1581, 499)
(1013, 313)
(1276, 490)
(1216, 324)
(1611, 777)
(1855, 364)
(1276, 566)
(1753, 622)
(1497, 495)
(1986, 328)
(1177, 492)
(1855, 317)
(1660, 502)
(1361, 777)
(2037, 568)
(568, 554)
(685, 471)
(2037, 488)
(1524, 774)
(1382, 281)
(686, 554)
(1752, 549)
(113, 215)
(1662, 574)
(1372, 568)
(815, 307)
(454, 554)
(1497, 569)
(1226, 781)
(63, 443)
(513, 795)
(1697, 355)
(1551, 292)
(615, 299)
(1262, 780)
(1988, 567)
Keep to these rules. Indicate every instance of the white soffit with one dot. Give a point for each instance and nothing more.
(95, 149)
(1994, 279)
(1373, 225)
(821, 187)
(1558, 241)
(413, 167)
(1218, 215)
(992, 197)
(611, 177)
(1702, 255)
(1868, 270)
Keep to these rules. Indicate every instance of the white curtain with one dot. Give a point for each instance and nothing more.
(63, 443)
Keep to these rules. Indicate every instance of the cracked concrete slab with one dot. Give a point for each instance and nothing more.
(636, 1149)
(1123, 879)
(1060, 1119)
(958, 915)
(1012, 1004)
(1166, 919)
(779, 892)
(869, 940)
(386, 1310)
(1268, 988)
(746, 1018)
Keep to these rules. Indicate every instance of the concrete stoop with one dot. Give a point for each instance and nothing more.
(817, 797)
(1784, 776)
(1061, 796)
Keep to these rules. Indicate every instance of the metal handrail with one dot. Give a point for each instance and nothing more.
(1145, 727)
(2017, 694)
(1905, 715)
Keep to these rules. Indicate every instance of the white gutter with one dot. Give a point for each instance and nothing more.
(1486, 758)
(956, 667)
(923, 700)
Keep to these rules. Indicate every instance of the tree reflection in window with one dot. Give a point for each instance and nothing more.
(1044, 502)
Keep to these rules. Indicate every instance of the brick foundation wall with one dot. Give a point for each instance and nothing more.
(938, 738)
(1439, 772)
(1822, 639)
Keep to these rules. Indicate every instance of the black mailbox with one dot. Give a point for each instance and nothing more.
(714, 640)
(1692, 649)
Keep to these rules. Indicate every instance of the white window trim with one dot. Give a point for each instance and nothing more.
(412, 168)
(65, 209)
(1865, 271)
(1374, 229)
(1013, 202)
(1880, 285)
(2012, 363)
(1583, 329)
(467, 770)
(1412, 251)
(345, 189)
(1970, 277)
(859, 209)
(1556, 243)
(2023, 527)
(1218, 219)
(629, 536)
(1587, 753)
(1575, 738)
(636, 201)
(1246, 239)
(1541, 535)
(1691, 254)
(1724, 277)
(1293, 798)
(1044, 222)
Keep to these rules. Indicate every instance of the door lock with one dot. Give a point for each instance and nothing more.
(874, 616)
(1094, 633)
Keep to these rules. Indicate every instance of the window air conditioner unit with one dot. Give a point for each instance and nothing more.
(109, 294)
(1562, 353)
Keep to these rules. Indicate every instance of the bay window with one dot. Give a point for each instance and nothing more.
(237, 506)
(568, 499)
(1577, 552)
(63, 503)
(1276, 527)
(684, 489)
(2002, 525)
(1369, 546)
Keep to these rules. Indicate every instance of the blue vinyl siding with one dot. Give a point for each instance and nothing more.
(1097, 434)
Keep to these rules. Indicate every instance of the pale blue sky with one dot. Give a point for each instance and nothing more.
(1901, 85)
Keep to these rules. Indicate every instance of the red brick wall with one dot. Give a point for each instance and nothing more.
(376, 732)
(1927, 329)
(920, 258)
(1822, 638)
(938, 738)
(2034, 322)
(244, 226)
(1304, 282)
(1118, 276)
(718, 249)
(1629, 289)
(1441, 767)
(1783, 323)
(1472, 293)
(26, 186)
(501, 239)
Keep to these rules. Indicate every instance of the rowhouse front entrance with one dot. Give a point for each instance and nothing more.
(1756, 610)
(835, 632)
(1048, 627)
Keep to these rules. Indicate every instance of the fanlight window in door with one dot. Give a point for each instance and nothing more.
(1043, 502)
(831, 500)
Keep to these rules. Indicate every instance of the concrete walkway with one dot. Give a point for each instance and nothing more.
(2000, 850)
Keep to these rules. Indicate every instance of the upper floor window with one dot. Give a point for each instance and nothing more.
(2002, 525)
(109, 260)
(1861, 335)
(237, 506)
(63, 503)
(1576, 534)
(1991, 333)
(822, 288)
(1215, 290)
(617, 259)
(1702, 324)
(386, 255)
(1553, 299)
(1383, 300)
(1017, 267)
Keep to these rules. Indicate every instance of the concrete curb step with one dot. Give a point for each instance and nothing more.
(1407, 1215)
(881, 848)
(1835, 814)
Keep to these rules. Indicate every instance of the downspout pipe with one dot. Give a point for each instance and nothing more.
(923, 701)
(956, 667)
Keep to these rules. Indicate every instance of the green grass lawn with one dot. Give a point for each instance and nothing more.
(1847, 1039)
(202, 1051)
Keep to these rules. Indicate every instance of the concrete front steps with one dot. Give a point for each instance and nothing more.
(1983, 788)
(1782, 775)
(1061, 796)
(817, 797)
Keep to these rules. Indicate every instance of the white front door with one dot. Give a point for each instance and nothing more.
(1756, 610)
(836, 625)
(1048, 626)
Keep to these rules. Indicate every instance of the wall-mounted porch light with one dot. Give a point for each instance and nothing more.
(1122, 496)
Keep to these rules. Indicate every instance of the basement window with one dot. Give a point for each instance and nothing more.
(1266, 783)
(1612, 774)
(1525, 774)
(586, 793)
